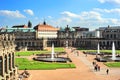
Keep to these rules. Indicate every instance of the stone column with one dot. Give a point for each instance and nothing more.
(13, 65)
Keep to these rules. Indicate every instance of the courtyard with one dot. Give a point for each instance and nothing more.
(84, 70)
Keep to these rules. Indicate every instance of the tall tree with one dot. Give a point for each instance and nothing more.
(29, 24)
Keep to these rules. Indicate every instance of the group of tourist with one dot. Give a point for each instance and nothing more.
(24, 74)
(96, 66)
(75, 52)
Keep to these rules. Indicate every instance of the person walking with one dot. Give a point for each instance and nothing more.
(107, 71)
(98, 68)
(94, 63)
(95, 67)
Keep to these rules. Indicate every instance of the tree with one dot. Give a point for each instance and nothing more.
(29, 24)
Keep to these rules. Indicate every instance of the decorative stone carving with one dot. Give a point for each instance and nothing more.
(10, 36)
(3, 37)
(7, 52)
(13, 37)
(6, 36)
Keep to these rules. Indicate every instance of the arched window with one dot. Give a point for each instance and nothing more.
(111, 36)
(1, 67)
(114, 36)
(33, 44)
(9, 58)
(29, 43)
(25, 43)
(107, 36)
(5, 63)
(107, 43)
(18, 44)
(21, 43)
(13, 60)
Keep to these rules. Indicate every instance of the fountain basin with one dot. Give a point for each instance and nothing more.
(49, 59)
(108, 59)
(92, 53)
(100, 59)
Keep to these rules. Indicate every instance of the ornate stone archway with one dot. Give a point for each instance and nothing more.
(5, 64)
(1, 65)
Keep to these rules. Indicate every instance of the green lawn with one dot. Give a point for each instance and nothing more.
(28, 53)
(24, 63)
(112, 64)
(59, 49)
(107, 51)
(109, 64)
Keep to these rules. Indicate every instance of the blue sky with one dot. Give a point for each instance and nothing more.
(59, 13)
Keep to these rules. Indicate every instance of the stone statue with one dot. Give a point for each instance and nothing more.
(10, 37)
(6, 36)
(13, 37)
(3, 37)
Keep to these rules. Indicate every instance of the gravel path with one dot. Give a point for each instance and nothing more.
(84, 70)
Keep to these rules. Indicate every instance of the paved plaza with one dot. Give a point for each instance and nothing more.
(84, 70)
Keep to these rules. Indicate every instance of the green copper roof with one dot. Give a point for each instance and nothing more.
(63, 29)
(17, 29)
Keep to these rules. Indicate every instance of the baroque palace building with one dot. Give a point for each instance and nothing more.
(8, 71)
(43, 35)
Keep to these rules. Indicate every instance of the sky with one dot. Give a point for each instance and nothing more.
(91, 14)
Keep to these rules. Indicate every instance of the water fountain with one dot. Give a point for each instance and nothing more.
(98, 49)
(51, 57)
(107, 58)
(113, 52)
(52, 54)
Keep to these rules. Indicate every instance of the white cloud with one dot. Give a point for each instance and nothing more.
(91, 19)
(102, 1)
(114, 21)
(91, 15)
(61, 21)
(12, 14)
(116, 10)
(110, 1)
(29, 11)
(65, 19)
(50, 17)
(83, 15)
(81, 19)
(70, 14)
(94, 17)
